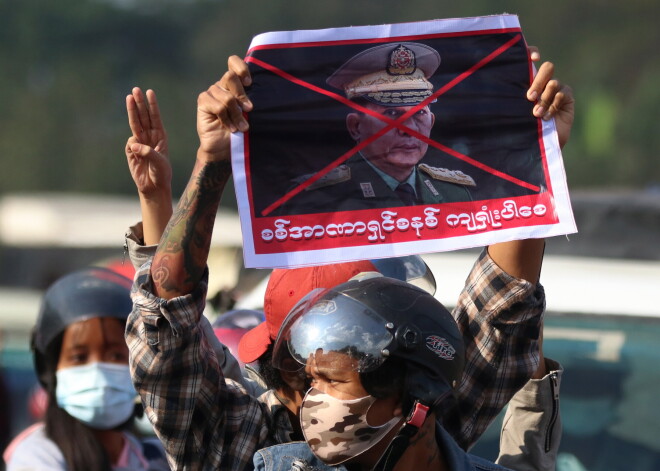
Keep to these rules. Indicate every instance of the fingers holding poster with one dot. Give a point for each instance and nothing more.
(356, 131)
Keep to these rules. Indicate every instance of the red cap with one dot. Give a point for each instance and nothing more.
(285, 288)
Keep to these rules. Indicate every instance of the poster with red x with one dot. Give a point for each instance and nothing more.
(379, 141)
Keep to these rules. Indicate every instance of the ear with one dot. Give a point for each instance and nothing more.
(432, 119)
(353, 121)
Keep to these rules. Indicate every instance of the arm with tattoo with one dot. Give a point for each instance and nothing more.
(182, 253)
(179, 263)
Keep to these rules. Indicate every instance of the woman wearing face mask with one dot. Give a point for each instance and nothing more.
(81, 360)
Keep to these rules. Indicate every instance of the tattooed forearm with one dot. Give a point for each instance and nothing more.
(181, 256)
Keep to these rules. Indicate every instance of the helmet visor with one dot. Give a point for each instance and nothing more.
(411, 269)
(327, 325)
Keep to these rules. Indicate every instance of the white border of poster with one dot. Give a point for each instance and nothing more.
(558, 199)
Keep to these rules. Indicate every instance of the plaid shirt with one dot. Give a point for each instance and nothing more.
(209, 422)
(500, 317)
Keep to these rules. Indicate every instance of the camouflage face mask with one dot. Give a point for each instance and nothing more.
(337, 430)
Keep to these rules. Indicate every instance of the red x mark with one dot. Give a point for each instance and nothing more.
(390, 124)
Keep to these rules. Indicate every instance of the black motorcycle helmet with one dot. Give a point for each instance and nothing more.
(77, 296)
(374, 319)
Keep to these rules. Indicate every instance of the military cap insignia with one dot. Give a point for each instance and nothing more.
(393, 74)
(401, 61)
(334, 176)
(444, 174)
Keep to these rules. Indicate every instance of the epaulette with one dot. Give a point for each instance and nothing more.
(334, 176)
(444, 174)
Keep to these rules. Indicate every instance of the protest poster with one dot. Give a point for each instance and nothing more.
(343, 116)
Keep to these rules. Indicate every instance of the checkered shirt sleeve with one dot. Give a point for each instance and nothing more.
(205, 421)
(500, 317)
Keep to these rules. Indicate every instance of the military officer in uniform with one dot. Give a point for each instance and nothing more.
(389, 79)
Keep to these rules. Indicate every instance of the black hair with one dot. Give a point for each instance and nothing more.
(81, 449)
(268, 372)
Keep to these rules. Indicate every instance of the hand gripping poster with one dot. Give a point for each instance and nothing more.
(390, 140)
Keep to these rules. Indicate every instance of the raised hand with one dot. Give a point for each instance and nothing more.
(147, 156)
(146, 150)
(220, 111)
(553, 99)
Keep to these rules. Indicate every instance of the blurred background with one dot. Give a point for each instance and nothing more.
(68, 65)
(66, 197)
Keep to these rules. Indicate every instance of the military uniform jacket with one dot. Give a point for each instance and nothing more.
(355, 185)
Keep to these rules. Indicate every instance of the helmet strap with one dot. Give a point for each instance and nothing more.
(400, 442)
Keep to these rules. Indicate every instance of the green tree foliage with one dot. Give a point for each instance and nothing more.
(66, 67)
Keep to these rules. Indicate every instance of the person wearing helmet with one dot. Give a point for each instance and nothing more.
(533, 404)
(81, 360)
(383, 359)
(216, 423)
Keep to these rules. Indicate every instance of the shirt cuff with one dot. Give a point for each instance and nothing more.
(181, 313)
(493, 290)
(138, 253)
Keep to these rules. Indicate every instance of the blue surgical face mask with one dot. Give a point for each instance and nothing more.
(100, 395)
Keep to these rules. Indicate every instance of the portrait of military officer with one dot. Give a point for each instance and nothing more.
(389, 171)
